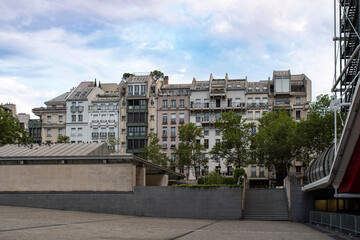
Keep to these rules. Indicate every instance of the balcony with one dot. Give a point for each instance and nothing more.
(181, 121)
(103, 121)
(111, 134)
(173, 121)
(73, 109)
(94, 135)
(103, 135)
(111, 121)
(80, 108)
(257, 105)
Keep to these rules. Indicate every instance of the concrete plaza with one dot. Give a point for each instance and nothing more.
(35, 223)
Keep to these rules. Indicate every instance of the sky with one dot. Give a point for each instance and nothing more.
(48, 47)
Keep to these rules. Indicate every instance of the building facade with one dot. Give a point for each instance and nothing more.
(35, 127)
(53, 118)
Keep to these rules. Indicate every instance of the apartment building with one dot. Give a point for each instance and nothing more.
(77, 111)
(104, 117)
(208, 100)
(35, 127)
(138, 111)
(53, 118)
(173, 111)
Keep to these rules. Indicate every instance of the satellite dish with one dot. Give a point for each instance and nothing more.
(335, 104)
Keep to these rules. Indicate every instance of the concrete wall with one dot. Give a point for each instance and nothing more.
(157, 180)
(212, 203)
(67, 177)
(301, 203)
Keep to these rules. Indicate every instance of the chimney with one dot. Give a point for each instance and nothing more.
(166, 80)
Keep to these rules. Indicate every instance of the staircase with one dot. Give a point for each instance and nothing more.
(266, 205)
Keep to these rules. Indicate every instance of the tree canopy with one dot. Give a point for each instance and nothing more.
(10, 131)
(157, 75)
(127, 75)
(63, 139)
(152, 152)
(235, 139)
(274, 141)
(190, 152)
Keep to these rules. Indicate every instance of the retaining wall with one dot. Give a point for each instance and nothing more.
(177, 202)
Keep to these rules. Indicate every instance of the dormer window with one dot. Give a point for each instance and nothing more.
(257, 89)
(250, 89)
(229, 86)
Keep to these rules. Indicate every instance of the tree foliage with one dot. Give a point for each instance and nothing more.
(63, 139)
(157, 75)
(127, 75)
(274, 142)
(190, 152)
(316, 133)
(10, 131)
(235, 139)
(152, 153)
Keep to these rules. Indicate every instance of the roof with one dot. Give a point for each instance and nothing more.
(60, 98)
(82, 91)
(139, 79)
(110, 87)
(95, 153)
(47, 150)
(172, 86)
(107, 97)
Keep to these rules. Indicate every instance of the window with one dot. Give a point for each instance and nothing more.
(229, 102)
(253, 171)
(229, 85)
(173, 103)
(182, 103)
(250, 115)
(261, 171)
(298, 100)
(217, 141)
(143, 89)
(173, 144)
(265, 100)
(218, 103)
(123, 131)
(142, 131)
(253, 129)
(79, 131)
(237, 102)
(151, 130)
(198, 103)
(173, 118)
(130, 90)
(181, 117)
(206, 170)
(217, 116)
(152, 117)
(206, 103)
(48, 132)
(130, 131)
(181, 92)
(173, 131)
(48, 119)
(80, 117)
(206, 143)
(250, 100)
(136, 88)
(164, 144)
(257, 114)
(198, 117)
(123, 118)
(111, 118)
(206, 117)
(172, 157)
(282, 85)
(103, 118)
(60, 118)
(164, 132)
(165, 103)
(171, 93)
(257, 100)
(73, 133)
(206, 131)
(217, 132)
(73, 118)
(298, 115)
(298, 169)
(229, 171)
(60, 131)
(164, 118)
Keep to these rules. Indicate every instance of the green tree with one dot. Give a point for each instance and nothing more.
(127, 75)
(152, 153)
(235, 139)
(190, 153)
(99, 84)
(274, 142)
(316, 133)
(10, 131)
(113, 144)
(63, 139)
(95, 83)
(157, 75)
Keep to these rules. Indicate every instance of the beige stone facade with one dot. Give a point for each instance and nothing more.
(67, 177)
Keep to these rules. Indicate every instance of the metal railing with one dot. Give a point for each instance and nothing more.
(339, 221)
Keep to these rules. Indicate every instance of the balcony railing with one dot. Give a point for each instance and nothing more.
(103, 135)
(95, 135)
(111, 134)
